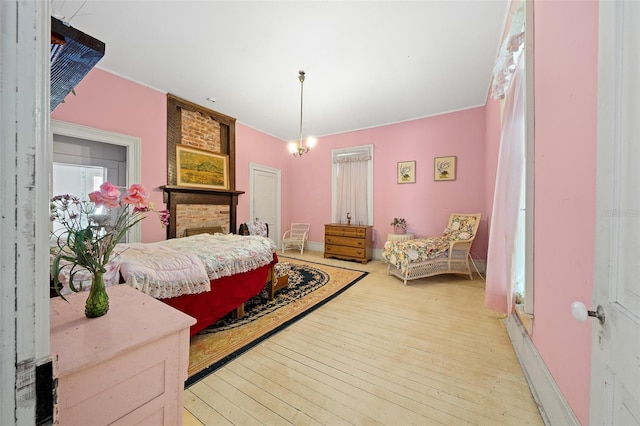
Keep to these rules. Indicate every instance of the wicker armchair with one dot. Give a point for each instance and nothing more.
(425, 257)
(296, 236)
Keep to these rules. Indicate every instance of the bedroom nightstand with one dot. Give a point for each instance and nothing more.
(400, 237)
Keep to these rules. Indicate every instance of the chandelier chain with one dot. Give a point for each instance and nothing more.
(301, 78)
(297, 149)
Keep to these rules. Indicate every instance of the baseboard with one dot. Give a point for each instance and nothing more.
(553, 406)
(377, 254)
(319, 247)
(478, 266)
(315, 246)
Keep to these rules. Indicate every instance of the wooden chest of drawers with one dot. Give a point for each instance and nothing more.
(351, 242)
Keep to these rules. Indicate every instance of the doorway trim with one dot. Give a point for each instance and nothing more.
(131, 143)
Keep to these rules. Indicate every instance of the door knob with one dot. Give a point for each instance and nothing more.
(580, 312)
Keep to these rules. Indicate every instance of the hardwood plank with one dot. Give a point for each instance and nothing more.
(278, 385)
(384, 373)
(380, 353)
(202, 410)
(395, 358)
(263, 413)
(333, 401)
(379, 401)
(264, 396)
(234, 413)
(189, 419)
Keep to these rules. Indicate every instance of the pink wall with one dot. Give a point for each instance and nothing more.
(426, 204)
(253, 146)
(566, 40)
(107, 102)
(565, 140)
(565, 137)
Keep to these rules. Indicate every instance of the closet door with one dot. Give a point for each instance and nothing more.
(265, 198)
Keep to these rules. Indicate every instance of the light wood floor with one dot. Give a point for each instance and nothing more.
(380, 353)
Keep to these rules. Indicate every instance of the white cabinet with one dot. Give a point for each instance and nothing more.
(126, 367)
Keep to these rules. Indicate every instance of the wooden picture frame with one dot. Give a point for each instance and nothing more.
(201, 169)
(444, 168)
(406, 172)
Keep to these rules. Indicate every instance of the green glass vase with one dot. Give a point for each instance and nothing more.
(98, 301)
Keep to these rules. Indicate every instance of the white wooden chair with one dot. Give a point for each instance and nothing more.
(296, 236)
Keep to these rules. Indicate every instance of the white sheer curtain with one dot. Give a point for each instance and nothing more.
(502, 253)
(352, 191)
(509, 54)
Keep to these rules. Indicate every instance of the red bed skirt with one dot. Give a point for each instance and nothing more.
(226, 294)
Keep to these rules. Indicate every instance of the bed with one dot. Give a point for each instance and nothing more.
(206, 276)
(239, 267)
(227, 295)
(234, 269)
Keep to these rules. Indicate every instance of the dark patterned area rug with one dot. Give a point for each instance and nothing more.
(310, 286)
(303, 279)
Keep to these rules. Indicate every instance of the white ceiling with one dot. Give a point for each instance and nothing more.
(368, 63)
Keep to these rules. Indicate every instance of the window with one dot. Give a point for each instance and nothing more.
(510, 254)
(78, 180)
(352, 185)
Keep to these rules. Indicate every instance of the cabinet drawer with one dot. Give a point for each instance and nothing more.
(354, 252)
(344, 241)
(345, 232)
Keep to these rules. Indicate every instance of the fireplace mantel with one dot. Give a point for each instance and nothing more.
(174, 195)
(192, 125)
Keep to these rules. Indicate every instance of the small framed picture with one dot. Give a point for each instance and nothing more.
(444, 168)
(407, 172)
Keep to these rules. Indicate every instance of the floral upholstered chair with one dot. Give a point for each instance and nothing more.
(254, 228)
(444, 254)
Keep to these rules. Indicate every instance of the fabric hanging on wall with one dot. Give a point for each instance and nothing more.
(500, 280)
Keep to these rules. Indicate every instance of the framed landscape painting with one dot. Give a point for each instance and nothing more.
(201, 169)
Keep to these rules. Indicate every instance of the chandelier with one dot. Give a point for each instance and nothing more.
(297, 149)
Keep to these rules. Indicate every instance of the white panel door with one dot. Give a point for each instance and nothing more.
(265, 198)
(615, 375)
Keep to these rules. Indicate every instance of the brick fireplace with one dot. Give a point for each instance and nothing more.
(196, 127)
